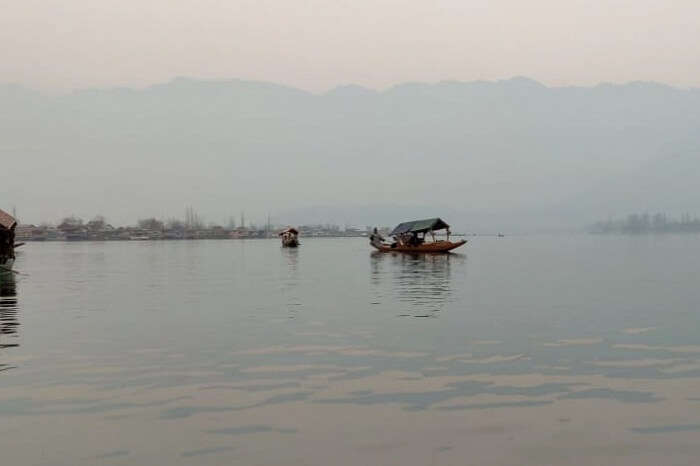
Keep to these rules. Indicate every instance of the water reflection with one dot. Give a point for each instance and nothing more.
(8, 313)
(290, 283)
(292, 257)
(222, 385)
(421, 283)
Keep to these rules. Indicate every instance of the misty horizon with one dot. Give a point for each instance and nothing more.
(511, 155)
(342, 85)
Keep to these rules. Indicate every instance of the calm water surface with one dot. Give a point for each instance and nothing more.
(578, 350)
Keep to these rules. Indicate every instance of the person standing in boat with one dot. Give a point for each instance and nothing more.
(375, 238)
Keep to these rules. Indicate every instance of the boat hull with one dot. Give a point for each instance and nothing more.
(292, 243)
(427, 248)
(6, 266)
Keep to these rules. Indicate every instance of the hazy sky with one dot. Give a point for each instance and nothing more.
(316, 44)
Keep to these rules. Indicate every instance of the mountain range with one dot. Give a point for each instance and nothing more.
(510, 155)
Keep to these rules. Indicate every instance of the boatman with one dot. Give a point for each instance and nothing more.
(7, 240)
(375, 238)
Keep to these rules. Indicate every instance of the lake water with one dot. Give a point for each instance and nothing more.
(532, 350)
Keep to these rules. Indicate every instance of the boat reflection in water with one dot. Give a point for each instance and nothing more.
(290, 282)
(8, 313)
(421, 283)
(291, 255)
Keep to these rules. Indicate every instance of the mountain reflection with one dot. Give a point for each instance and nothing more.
(8, 312)
(421, 283)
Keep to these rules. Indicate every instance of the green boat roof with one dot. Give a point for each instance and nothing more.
(419, 226)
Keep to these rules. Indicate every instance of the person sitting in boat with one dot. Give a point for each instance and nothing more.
(402, 239)
(415, 240)
(375, 235)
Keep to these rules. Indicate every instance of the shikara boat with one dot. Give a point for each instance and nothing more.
(410, 237)
(289, 237)
(7, 241)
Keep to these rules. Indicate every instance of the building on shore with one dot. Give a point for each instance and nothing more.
(73, 229)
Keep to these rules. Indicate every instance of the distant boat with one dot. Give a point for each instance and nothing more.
(7, 241)
(410, 237)
(289, 237)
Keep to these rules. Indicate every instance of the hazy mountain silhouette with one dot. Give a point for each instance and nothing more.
(507, 154)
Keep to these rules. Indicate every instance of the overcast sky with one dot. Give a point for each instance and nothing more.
(59, 45)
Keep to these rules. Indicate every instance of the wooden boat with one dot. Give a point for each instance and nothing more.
(433, 247)
(410, 237)
(289, 237)
(7, 241)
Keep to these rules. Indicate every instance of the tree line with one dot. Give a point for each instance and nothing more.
(648, 223)
(192, 221)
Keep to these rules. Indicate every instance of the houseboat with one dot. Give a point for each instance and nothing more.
(7, 241)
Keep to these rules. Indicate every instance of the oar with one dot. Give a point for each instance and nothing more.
(18, 245)
(5, 269)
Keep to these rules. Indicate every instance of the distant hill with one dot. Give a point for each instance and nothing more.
(511, 154)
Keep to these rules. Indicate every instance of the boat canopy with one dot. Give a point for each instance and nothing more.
(288, 230)
(7, 221)
(419, 226)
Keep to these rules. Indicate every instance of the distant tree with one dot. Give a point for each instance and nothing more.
(97, 224)
(603, 227)
(192, 219)
(659, 222)
(70, 223)
(644, 221)
(152, 224)
(635, 224)
(175, 224)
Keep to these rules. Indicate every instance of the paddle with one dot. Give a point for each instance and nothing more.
(5, 269)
